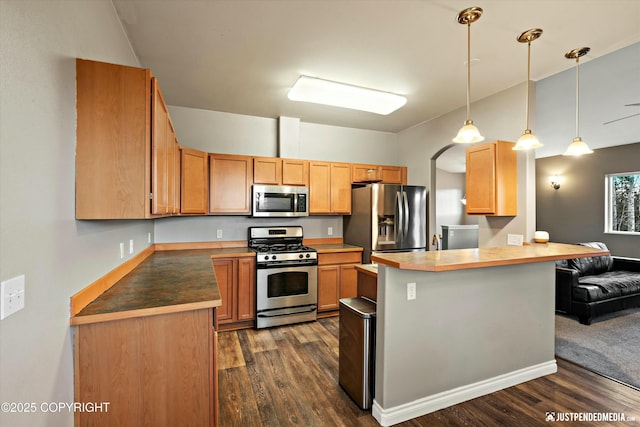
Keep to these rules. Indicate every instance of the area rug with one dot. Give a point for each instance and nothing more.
(610, 346)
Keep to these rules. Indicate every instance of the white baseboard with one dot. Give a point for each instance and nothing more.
(435, 402)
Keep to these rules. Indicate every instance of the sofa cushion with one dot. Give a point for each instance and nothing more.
(607, 285)
(592, 265)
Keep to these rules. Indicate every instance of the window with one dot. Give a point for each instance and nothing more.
(622, 199)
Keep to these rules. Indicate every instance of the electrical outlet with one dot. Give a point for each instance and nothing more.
(12, 294)
(121, 250)
(219, 233)
(515, 239)
(330, 231)
(411, 291)
(148, 237)
(130, 246)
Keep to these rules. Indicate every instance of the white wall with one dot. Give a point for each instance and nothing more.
(40, 238)
(501, 116)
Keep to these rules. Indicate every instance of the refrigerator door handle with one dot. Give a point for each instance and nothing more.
(405, 220)
(400, 219)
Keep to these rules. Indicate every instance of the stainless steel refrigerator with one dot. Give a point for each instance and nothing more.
(387, 218)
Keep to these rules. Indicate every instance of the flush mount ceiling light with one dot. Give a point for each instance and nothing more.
(326, 92)
(528, 141)
(469, 133)
(578, 147)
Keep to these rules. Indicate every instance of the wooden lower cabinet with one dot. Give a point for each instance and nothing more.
(158, 370)
(237, 285)
(337, 278)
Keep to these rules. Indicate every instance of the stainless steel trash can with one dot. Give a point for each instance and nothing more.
(356, 367)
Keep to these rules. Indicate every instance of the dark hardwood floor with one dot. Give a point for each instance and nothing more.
(288, 375)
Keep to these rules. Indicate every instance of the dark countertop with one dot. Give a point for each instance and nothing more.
(165, 282)
(170, 281)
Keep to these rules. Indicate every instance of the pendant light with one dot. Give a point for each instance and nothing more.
(578, 147)
(468, 134)
(528, 141)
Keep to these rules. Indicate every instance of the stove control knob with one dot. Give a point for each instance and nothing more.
(308, 255)
(266, 258)
(300, 256)
(273, 257)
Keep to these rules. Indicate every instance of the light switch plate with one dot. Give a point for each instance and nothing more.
(12, 293)
(515, 239)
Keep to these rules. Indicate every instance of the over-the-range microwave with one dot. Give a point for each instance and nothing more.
(280, 201)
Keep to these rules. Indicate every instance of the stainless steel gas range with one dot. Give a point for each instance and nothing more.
(286, 276)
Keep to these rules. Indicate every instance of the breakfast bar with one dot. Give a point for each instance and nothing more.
(458, 324)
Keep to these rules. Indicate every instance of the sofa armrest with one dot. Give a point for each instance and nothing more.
(566, 279)
(627, 264)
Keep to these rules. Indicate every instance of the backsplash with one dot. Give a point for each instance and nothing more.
(207, 228)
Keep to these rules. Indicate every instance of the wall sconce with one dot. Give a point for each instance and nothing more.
(554, 180)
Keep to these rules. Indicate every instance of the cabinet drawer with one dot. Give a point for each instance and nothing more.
(340, 258)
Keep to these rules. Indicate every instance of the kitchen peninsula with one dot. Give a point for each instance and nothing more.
(480, 320)
(147, 345)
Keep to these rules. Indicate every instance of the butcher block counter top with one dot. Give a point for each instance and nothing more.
(339, 247)
(165, 282)
(461, 259)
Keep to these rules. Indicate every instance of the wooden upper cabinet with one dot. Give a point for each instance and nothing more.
(319, 187)
(365, 173)
(267, 170)
(362, 173)
(194, 186)
(492, 179)
(230, 182)
(278, 171)
(295, 172)
(127, 163)
(341, 188)
(113, 141)
(393, 174)
(329, 188)
(164, 156)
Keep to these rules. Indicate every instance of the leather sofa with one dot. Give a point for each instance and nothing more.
(593, 286)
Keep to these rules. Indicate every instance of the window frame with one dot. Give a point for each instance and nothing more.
(608, 186)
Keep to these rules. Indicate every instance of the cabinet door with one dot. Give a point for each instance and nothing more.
(195, 181)
(230, 184)
(341, 188)
(246, 300)
(481, 179)
(391, 174)
(161, 155)
(319, 187)
(492, 179)
(365, 173)
(295, 172)
(328, 287)
(267, 170)
(224, 269)
(348, 281)
(113, 141)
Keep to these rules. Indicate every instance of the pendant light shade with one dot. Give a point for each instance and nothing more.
(578, 147)
(469, 133)
(528, 141)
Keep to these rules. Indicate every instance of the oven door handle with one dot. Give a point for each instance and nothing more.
(286, 312)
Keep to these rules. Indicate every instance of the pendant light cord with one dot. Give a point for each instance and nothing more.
(468, 69)
(526, 124)
(577, 96)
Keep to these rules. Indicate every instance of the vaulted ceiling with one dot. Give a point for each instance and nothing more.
(241, 56)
